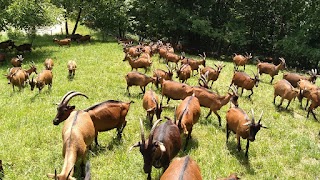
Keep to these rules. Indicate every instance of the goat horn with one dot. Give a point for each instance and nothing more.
(152, 131)
(260, 117)
(252, 116)
(64, 97)
(142, 133)
(67, 99)
(55, 174)
(70, 172)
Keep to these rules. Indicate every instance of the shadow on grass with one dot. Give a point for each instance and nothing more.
(284, 110)
(192, 144)
(232, 147)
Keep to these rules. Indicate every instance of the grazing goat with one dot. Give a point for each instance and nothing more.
(182, 168)
(271, 69)
(215, 101)
(175, 90)
(17, 61)
(240, 60)
(24, 47)
(243, 80)
(184, 72)
(44, 78)
(84, 39)
(17, 78)
(194, 63)
(78, 134)
(138, 63)
(72, 66)
(63, 42)
(187, 114)
(150, 103)
(48, 64)
(232, 176)
(161, 147)
(6, 44)
(305, 87)
(239, 123)
(294, 78)
(314, 96)
(105, 116)
(159, 73)
(213, 74)
(138, 79)
(285, 90)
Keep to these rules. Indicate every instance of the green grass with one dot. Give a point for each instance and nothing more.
(31, 146)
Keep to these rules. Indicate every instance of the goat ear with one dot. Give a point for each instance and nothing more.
(138, 144)
(161, 146)
(150, 109)
(71, 107)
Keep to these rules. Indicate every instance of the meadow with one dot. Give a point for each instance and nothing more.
(31, 146)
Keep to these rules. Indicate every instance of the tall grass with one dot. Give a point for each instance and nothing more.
(31, 146)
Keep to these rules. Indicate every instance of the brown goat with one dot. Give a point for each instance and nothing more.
(213, 74)
(138, 79)
(314, 96)
(285, 90)
(294, 78)
(187, 114)
(175, 90)
(184, 73)
(74, 37)
(24, 47)
(232, 176)
(195, 63)
(6, 44)
(243, 80)
(215, 101)
(48, 64)
(271, 69)
(17, 78)
(240, 60)
(78, 134)
(28, 72)
(239, 123)
(182, 168)
(84, 39)
(138, 63)
(63, 42)
(17, 61)
(161, 74)
(72, 67)
(44, 78)
(305, 86)
(172, 57)
(161, 147)
(150, 103)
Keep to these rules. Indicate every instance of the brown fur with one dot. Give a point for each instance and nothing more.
(44, 78)
(84, 39)
(315, 101)
(175, 90)
(24, 47)
(240, 60)
(139, 62)
(63, 42)
(162, 74)
(48, 64)
(17, 61)
(271, 69)
(72, 67)
(138, 79)
(306, 87)
(194, 64)
(213, 74)
(243, 80)
(2, 58)
(294, 78)
(232, 176)
(285, 90)
(151, 104)
(172, 57)
(184, 73)
(17, 78)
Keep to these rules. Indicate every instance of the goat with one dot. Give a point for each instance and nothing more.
(215, 101)
(184, 73)
(239, 123)
(314, 96)
(133, 51)
(243, 80)
(285, 90)
(78, 134)
(17, 78)
(240, 60)
(84, 39)
(232, 176)
(138, 63)
(305, 86)
(27, 72)
(271, 69)
(6, 44)
(187, 114)
(17, 61)
(48, 64)
(44, 78)
(151, 105)
(2, 58)
(75, 37)
(175, 90)
(294, 78)
(138, 79)
(24, 47)
(172, 57)
(194, 64)
(182, 168)
(72, 66)
(63, 42)
(213, 74)
(105, 116)
(161, 147)
(159, 73)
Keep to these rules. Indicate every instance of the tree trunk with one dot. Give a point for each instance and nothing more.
(77, 21)
(66, 24)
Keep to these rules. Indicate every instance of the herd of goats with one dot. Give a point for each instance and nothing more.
(81, 127)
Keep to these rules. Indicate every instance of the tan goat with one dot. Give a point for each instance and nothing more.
(139, 62)
(285, 90)
(63, 42)
(240, 60)
(294, 78)
(44, 78)
(195, 64)
(72, 67)
(138, 79)
(48, 64)
(161, 74)
(17, 61)
(314, 96)
(184, 73)
(243, 80)
(306, 87)
(174, 58)
(271, 69)
(17, 78)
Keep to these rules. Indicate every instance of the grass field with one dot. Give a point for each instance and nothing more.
(31, 146)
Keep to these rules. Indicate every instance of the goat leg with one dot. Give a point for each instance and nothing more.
(96, 140)
(288, 104)
(209, 114)
(238, 141)
(128, 90)
(188, 138)
(306, 104)
(281, 101)
(227, 132)
(247, 148)
(271, 80)
(250, 94)
(219, 118)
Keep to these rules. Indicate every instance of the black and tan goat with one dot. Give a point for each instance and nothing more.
(285, 90)
(240, 60)
(175, 90)
(294, 78)
(72, 67)
(195, 64)
(151, 104)
(213, 74)
(138, 79)
(17, 61)
(106, 115)
(161, 147)
(184, 73)
(187, 114)
(144, 63)
(48, 64)
(44, 78)
(182, 168)
(161, 74)
(78, 134)
(239, 123)
(243, 80)
(215, 101)
(271, 69)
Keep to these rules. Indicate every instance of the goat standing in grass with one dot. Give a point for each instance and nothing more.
(243, 80)
(48, 64)
(285, 90)
(138, 79)
(151, 105)
(175, 90)
(72, 67)
(294, 78)
(213, 74)
(161, 74)
(240, 60)
(271, 69)
(306, 87)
